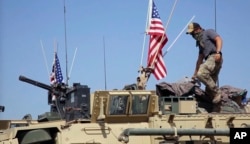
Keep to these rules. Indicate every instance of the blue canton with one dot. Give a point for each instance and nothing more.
(58, 71)
(155, 13)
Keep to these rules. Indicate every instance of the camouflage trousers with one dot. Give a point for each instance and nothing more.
(208, 74)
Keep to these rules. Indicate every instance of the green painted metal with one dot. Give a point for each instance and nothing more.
(34, 136)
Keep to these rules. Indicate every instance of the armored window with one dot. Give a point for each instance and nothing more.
(118, 104)
(18, 125)
(140, 104)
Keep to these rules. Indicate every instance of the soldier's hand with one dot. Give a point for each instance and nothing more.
(218, 57)
(194, 77)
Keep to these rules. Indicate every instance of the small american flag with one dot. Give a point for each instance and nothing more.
(157, 41)
(56, 76)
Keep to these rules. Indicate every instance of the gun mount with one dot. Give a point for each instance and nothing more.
(69, 103)
(141, 80)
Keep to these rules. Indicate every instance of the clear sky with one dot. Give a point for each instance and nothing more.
(26, 24)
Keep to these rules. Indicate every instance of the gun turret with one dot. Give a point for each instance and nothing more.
(60, 91)
(69, 103)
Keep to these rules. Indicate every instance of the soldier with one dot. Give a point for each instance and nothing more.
(209, 60)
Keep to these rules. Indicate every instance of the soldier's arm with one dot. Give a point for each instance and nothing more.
(218, 41)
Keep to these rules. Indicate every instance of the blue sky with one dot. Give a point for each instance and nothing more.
(25, 24)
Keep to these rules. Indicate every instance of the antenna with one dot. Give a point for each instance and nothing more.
(65, 36)
(178, 36)
(72, 63)
(104, 60)
(215, 28)
(44, 57)
(215, 15)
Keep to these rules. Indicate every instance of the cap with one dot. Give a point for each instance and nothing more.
(192, 26)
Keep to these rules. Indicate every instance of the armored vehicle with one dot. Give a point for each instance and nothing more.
(131, 115)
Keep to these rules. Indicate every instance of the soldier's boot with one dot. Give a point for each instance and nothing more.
(217, 97)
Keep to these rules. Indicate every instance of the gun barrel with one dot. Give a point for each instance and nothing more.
(35, 83)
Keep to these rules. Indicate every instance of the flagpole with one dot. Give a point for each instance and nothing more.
(146, 28)
(170, 16)
(55, 46)
(54, 60)
(65, 37)
(143, 73)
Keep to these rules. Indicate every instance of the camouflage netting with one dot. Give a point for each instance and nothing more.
(232, 97)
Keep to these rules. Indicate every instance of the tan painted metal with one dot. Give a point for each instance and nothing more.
(140, 110)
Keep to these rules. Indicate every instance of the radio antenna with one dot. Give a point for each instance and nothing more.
(44, 56)
(65, 37)
(215, 15)
(72, 63)
(215, 28)
(104, 60)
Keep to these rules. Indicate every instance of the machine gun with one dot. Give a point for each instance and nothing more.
(58, 89)
(1, 108)
(70, 103)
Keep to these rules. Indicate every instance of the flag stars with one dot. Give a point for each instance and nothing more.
(155, 13)
(56, 76)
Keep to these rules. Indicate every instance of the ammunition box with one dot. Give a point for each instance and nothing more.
(178, 105)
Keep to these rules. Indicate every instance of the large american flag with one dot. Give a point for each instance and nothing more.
(157, 41)
(56, 74)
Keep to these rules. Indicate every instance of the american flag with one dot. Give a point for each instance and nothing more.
(157, 41)
(56, 74)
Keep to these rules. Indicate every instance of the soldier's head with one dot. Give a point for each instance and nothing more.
(194, 29)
